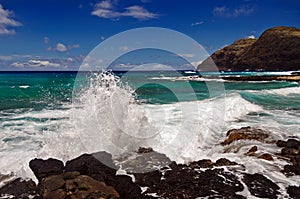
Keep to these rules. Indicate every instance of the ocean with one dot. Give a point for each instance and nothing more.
(183, 115)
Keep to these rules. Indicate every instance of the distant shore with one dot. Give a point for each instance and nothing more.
(264, 78)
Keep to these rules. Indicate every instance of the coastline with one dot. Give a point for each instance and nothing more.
(97, 176)
(292, 78)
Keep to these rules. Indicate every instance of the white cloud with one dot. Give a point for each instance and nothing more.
(41, 63)
(6, 21)
(70, 47)
(35, 64)
(61, 47)
(105, 9)
(107, 4)
(17, 64)
(223, 11)
(251, 37)
(187, 55)
(5, 58)
(197, 23)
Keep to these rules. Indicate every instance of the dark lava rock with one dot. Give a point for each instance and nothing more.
(76, 186)
(20, 189)
(101, 167)
(181, 181)
(292, 143)
(291, 169)
(146, 161)
(296, 160)
(44, 168)
(266, 156)
(224, 162)
(98, 166)
(260, 186)
(251, 151)
(144, 150)
(294, 191)
(205, 163)
(291, 150)
(277, 48)
(245, 133)
(281, 143)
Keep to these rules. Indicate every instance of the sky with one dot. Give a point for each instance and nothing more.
(59, 34)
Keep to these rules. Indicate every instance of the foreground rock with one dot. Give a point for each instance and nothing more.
(94, 176)
(260, 186)
(20, 188)
(294, 191)
(74, 185)
(290, 149)
(277, 48)
(43, 168)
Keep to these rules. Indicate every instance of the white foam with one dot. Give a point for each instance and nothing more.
(24, 86)
(284, 91)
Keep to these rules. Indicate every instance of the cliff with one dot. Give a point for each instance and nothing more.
(277, 48)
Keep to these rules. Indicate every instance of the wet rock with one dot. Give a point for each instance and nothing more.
(144, 150)
(266, 156)
(182, 181)
(74, 185)
(291, 150)
(101, 167)
(148, 179)
(205, 163)
(294, 191)
(296, 160)
(292, 143)
(245, 133)
(125, 187)
(251, 151)
(224, 162)
(281, 143)
(44, 168)
(291, 169)
(20, 189)
(260, 186)
(145, 162)
(98, 166)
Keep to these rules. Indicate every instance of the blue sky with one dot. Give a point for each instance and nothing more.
(58, 34)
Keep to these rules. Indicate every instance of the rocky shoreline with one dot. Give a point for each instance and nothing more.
(94, 175)
(291, 78)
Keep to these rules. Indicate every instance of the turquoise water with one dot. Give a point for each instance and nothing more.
(39, 90)
(38, 117)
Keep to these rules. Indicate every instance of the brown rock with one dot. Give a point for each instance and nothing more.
(252, 151)
(245, 133)
(266, 156)
(281, 143)
(205, 163)
(277, 48)
(74, 185)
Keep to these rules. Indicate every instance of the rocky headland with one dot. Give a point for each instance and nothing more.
(97, 176)
(277, 49)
